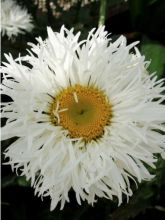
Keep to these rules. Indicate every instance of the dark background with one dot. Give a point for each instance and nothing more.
(142, 20)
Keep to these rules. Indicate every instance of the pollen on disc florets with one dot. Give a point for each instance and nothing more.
(82, 110)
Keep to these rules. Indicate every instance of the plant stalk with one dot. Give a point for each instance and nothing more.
(102, 12)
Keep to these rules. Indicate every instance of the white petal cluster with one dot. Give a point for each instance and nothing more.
(14, 19)
(45, 154)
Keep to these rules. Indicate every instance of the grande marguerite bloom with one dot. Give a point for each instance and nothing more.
(87, 116)
(14, 19)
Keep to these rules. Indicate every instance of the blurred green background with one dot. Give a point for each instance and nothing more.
(142, 20)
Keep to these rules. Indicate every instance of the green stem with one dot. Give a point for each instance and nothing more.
(102, 12)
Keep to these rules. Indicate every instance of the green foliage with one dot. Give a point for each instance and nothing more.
(8, 181)
(155, 52)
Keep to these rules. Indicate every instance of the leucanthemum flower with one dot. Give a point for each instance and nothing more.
(87, 116)
(14, 19)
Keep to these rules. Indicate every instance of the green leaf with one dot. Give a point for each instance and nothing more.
(156, 53)
(8, 181)
(22, 181)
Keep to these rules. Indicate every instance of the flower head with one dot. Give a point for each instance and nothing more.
(14, 19)
(87, 114)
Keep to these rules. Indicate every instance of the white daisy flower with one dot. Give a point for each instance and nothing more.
(87, 114)
(14, 19)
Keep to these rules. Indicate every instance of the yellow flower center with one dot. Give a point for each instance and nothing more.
(82, 110)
